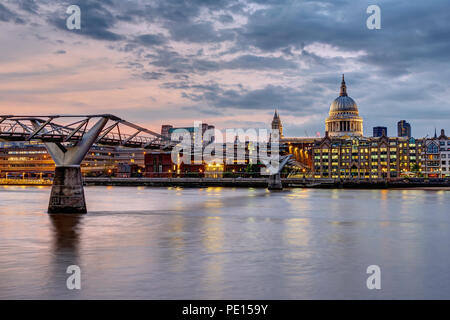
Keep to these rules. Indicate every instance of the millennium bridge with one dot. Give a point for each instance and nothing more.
(68, 138)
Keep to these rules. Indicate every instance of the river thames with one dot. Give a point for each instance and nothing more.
(219, 243)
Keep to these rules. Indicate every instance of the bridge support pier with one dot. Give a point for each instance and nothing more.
(67, 191)
(275, 177)
(275, 182)
(67, 194)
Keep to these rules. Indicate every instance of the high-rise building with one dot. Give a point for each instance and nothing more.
(344, 119)
(197, 132)
(165, 130)
(379, 131)
(404, 129)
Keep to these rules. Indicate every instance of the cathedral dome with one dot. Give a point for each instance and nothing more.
(344, 119)
(343, 103)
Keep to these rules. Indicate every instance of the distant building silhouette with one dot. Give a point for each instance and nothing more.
(379, 131)
(176, 133)
(404, 129)
(276, 123)
(165, 130)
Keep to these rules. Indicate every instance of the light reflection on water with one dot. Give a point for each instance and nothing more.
(219, 243)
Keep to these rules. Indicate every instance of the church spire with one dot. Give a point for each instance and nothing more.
(343, 88)
(276, 123)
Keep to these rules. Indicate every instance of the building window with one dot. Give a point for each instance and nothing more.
(432, 148)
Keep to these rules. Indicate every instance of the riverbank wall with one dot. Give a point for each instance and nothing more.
(262, 183)
(435, 184)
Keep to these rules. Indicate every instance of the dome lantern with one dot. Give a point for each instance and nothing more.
(343, 88)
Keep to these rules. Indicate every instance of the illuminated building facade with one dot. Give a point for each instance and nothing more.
(301, 149)
(343, 119)
(159, 164)
(444, 150)
(436, 157)
(31, 161)
(367, 158)
(18, 160)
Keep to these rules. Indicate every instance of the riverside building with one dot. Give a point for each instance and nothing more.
(344, 153)
(436, 157)
(367, 158)
(31, 161)
(159, 164)
(444, 150)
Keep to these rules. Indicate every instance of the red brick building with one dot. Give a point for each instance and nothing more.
(158, 164)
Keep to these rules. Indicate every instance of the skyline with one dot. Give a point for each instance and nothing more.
(228, 63)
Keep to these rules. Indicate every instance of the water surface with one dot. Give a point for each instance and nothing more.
(219, 243)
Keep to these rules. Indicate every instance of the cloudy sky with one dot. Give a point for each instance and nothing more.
(228, 62)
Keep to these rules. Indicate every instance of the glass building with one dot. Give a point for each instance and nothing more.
(379, 131)
(404, 129)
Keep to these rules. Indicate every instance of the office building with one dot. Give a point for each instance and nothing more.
(380, 131)
(403, 129)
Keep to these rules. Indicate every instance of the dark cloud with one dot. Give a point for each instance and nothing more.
(259, 63)
(199, 33)
(416, 30)
(283, 46)
(267, 98)
(150, 40)
(185, 11)
(173, 62)
(151, 75)
(30, 6)
(134, 65)
(6, 15)
(226, 18)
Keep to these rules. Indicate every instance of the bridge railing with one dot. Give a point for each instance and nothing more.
(71, 129)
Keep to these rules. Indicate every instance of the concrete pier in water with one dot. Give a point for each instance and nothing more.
(67, 194)
(275, 182)
(67, 191)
